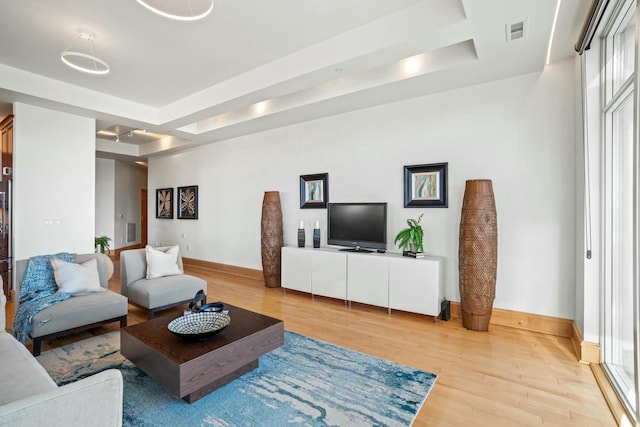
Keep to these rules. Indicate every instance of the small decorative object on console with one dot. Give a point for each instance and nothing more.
(301, 234)
(414, 254)
(199, 326)
(411, 237)
(201, 298)
(316, 235)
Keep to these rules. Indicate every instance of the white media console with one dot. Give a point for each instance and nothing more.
(382, 279)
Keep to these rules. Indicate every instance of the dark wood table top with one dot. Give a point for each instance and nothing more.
(155, 334)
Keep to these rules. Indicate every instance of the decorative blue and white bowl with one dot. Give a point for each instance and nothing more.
(198, 326)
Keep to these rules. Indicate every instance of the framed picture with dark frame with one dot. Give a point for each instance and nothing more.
(314, 191)
(164, 203)
(425, 186)
(188, 202)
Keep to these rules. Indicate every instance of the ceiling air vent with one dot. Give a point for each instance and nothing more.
(515, 31)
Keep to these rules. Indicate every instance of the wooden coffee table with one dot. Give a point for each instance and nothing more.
(193, 369)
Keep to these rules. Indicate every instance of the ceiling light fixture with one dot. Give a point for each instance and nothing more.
(260, 107)
(412, 65)
(81, 61)
(128, 133)
(183, 10)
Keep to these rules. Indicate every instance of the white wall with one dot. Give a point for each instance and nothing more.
(129, 180)
(519, 132)
(54, 182)
(105, 198)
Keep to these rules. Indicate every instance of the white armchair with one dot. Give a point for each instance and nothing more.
(158, 293)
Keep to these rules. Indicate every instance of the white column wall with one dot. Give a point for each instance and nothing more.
(519, 132)
(54, 182)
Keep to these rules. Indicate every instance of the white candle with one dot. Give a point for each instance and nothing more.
(317, 227)
(301, 224)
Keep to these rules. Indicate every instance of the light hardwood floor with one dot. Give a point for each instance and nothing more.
(504, 377)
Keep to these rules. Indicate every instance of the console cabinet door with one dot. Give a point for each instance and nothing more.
(368, 279)
(296, 269)
(416, 285)
(329, 274)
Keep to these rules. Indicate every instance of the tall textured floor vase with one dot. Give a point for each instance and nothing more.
(478, 254)
(271, 238)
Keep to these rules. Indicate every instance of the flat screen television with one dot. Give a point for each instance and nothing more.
(357, 226)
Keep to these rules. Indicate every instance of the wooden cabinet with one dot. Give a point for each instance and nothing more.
(386, 280)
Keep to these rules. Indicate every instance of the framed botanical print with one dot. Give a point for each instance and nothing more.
(188, 202)
(164, 203)
(314, 191)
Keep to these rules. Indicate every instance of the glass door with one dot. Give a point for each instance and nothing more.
(620, 289)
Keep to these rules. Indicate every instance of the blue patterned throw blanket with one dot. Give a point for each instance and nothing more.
(38, 291)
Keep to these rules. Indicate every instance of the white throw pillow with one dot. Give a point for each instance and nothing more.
(162, 263)
(75, 278)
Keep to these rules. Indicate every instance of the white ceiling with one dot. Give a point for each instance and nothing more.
(259, 64)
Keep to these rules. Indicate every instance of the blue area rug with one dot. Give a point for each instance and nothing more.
(305, 382)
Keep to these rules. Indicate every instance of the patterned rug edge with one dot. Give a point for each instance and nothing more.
(86, 357)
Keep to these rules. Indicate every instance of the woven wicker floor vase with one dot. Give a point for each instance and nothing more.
(271, 238)
(478, 254)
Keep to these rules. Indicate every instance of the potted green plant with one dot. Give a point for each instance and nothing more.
(411, 238)
(102, 243)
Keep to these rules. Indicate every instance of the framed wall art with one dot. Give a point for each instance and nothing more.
(314, 191)
(164, 203)
(425, 186)
(188, 202)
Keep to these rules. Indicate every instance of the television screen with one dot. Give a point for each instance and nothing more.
(357, 225)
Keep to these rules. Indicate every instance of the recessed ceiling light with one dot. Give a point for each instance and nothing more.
(260, 107)
(412, 65)
(87, 62)
(181, 10)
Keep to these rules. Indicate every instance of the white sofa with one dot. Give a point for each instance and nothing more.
(29, 397)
